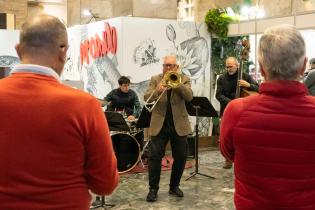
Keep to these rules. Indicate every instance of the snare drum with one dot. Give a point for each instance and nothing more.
(127, 151)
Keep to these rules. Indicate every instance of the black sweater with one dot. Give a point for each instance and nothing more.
(226, 88)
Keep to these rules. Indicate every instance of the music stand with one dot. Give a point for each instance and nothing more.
(144, 118)
(199, 107)
(100, 203)
(144, 122)
(115, 122)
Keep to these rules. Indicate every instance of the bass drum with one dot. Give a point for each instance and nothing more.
(127, 151)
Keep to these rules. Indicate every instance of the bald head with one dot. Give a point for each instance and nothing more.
(231, 65)
(43, 39)
(41, 32)
(170, 59)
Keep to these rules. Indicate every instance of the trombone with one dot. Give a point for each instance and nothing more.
(171, 79)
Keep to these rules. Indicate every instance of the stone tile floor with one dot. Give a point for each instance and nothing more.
(200, 192)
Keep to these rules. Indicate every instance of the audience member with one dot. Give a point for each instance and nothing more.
(270, 136)
(55, 145)
(309, 77)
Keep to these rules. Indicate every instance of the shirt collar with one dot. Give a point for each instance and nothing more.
(36, 69)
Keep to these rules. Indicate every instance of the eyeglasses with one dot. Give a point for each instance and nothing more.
(168, 65)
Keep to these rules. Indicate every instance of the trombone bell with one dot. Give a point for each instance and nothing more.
(171, 79)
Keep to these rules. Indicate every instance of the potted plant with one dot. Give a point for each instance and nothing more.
(218, 22)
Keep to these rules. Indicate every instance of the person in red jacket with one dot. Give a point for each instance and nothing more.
(270, 137)
(55, 145)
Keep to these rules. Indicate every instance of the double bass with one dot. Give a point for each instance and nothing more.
(241, 91)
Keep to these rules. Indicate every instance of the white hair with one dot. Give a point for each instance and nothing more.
(281, 52)
(170, 56)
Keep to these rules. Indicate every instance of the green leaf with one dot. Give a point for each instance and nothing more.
(218, 23)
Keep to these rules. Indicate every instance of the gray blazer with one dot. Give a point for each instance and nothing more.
(179, 96)
(309, 82)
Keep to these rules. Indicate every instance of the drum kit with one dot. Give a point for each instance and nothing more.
(127, 140)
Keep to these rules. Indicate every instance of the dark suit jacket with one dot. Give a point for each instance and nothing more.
(179, 96)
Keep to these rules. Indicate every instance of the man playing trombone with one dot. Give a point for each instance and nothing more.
(169, 121)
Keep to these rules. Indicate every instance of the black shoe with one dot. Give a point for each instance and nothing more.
(97, 201)
(152, 195)
(176, 191)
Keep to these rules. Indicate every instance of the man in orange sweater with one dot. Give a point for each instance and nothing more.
(55, 144)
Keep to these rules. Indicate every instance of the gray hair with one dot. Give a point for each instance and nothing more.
(43, 32)
(281, 52)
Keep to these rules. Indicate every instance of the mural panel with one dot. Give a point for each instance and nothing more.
(141, 45)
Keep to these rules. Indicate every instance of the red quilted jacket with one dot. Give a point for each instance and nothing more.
(271, 139)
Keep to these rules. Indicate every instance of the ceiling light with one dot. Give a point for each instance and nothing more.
(86, 12)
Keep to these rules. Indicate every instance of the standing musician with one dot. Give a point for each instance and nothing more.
(226, 88)
(124, 99)
(169, 121)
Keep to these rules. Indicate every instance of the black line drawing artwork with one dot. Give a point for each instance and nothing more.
(8, 61)
(192, 54)
(101, 73)
(108, 68)
(69, 65)
(91, 83)
(145, 53)
(193, 57)
(72, 66)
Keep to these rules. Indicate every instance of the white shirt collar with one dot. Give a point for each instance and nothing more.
(36, 69)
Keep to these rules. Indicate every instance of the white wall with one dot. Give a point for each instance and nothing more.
(303, 21)
(58, 10)
(8, 39)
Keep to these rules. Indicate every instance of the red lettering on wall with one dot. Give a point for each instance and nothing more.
(97, 47)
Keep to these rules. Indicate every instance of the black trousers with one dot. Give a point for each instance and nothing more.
(157, 151)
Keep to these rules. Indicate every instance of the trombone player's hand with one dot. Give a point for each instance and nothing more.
(161, 87)
(167, 67)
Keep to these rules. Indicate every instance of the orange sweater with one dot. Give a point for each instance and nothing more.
(55, 145)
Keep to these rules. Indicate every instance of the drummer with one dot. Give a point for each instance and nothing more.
(124, 99)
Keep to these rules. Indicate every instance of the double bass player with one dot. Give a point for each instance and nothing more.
(226, 88)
